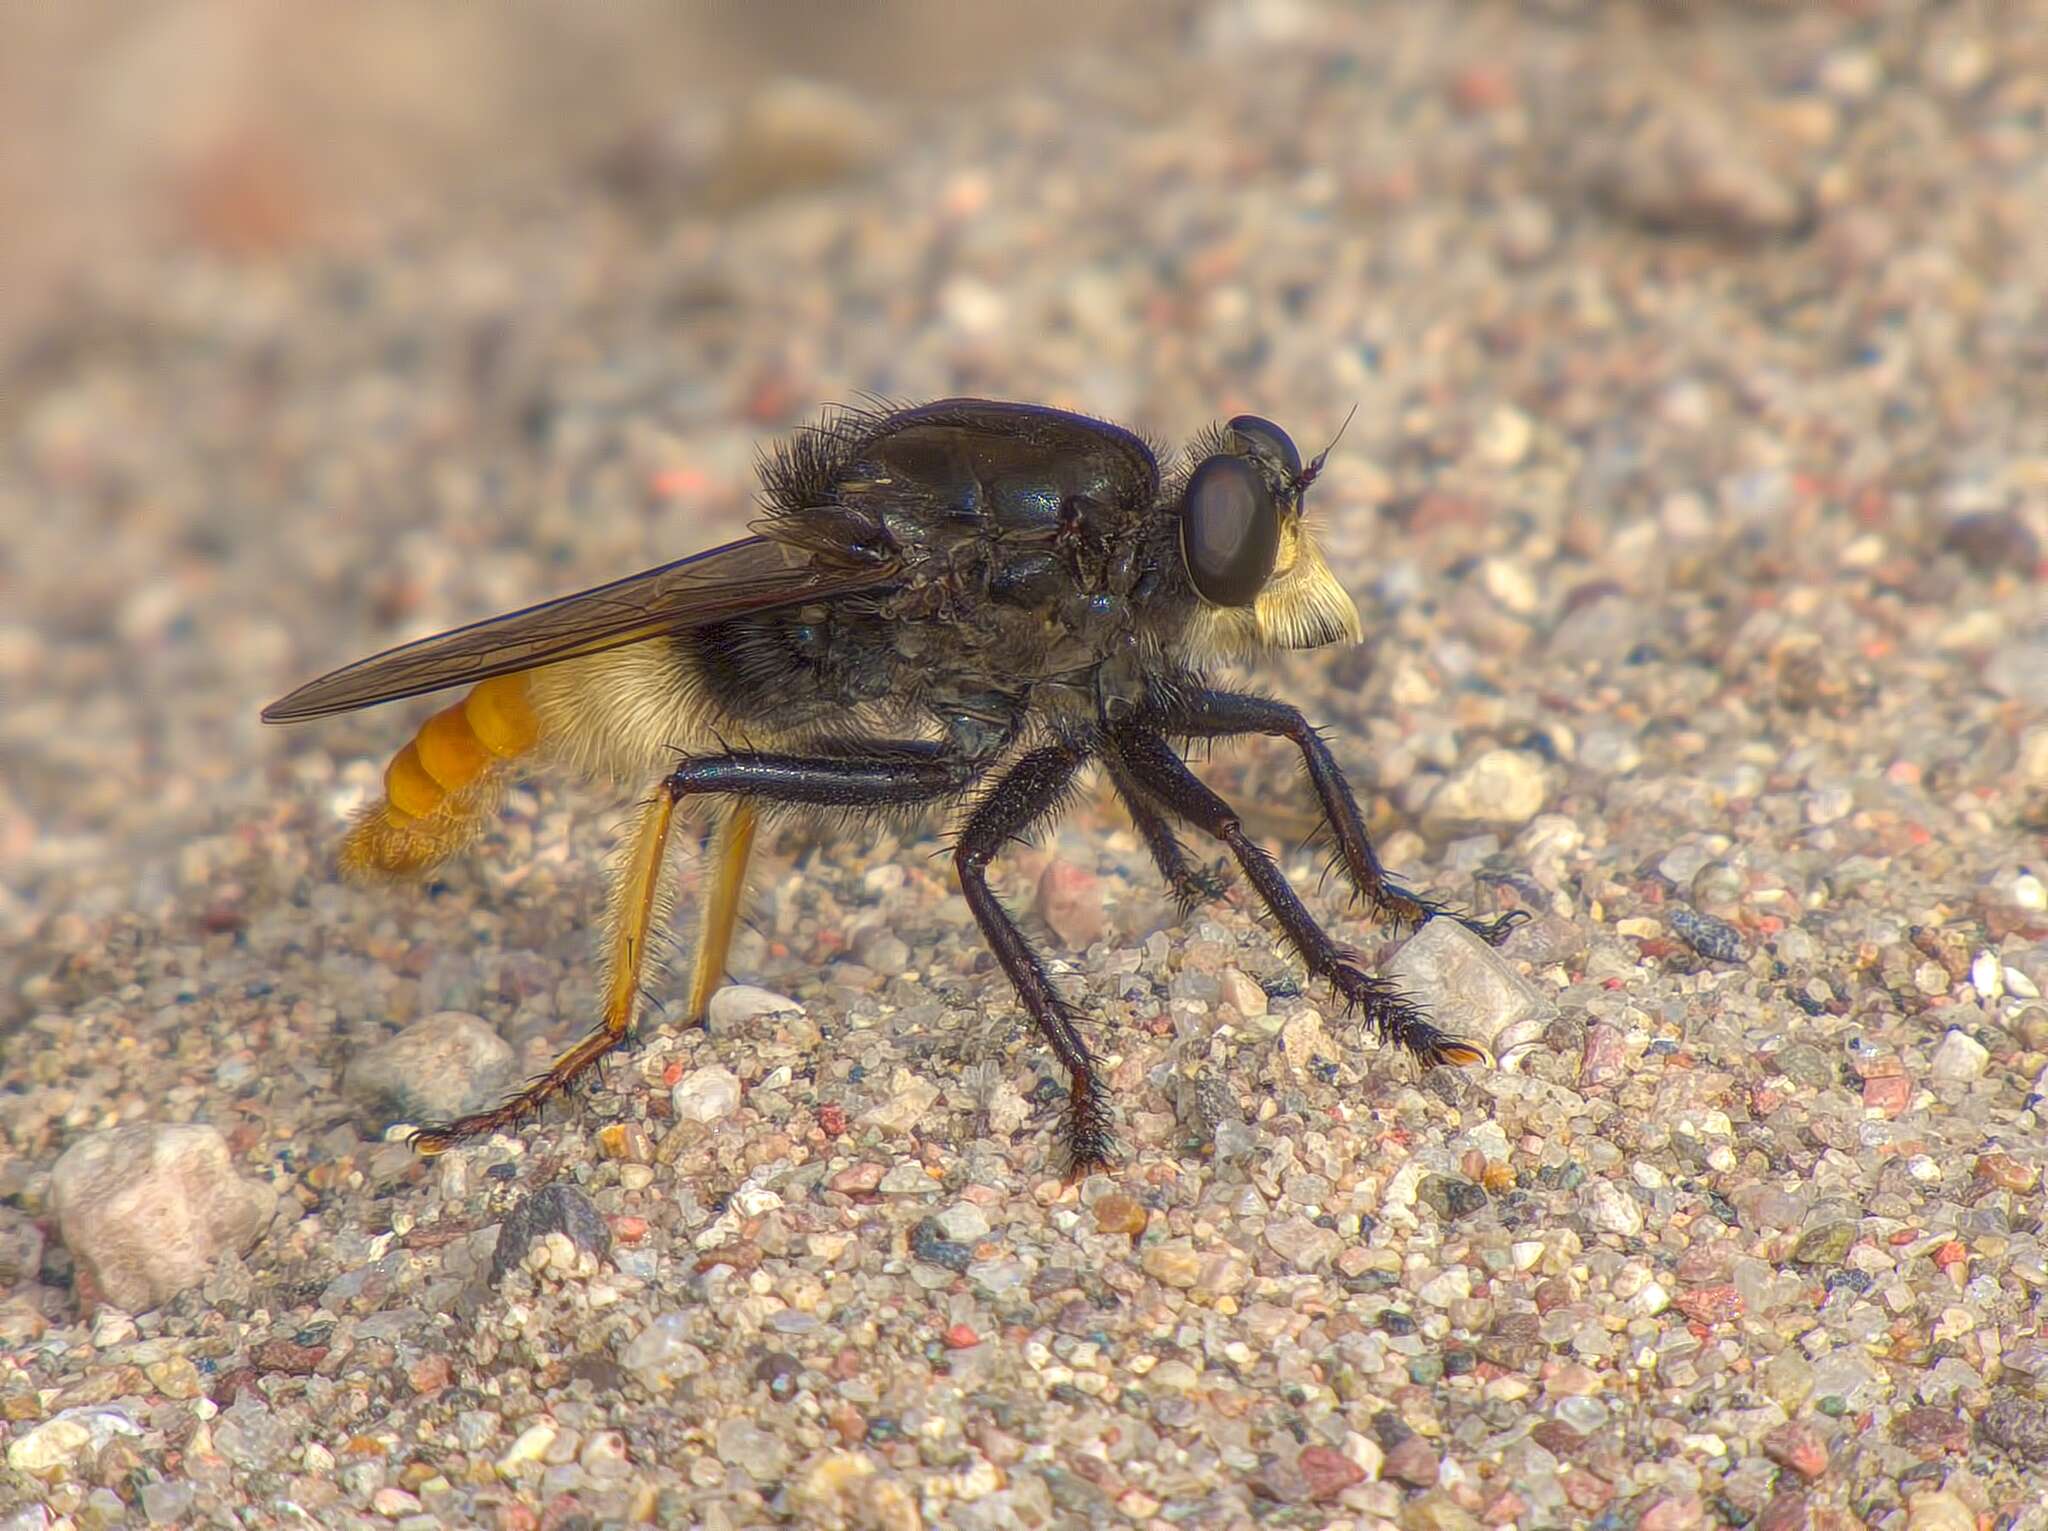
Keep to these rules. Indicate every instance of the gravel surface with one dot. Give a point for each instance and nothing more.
(1696, 504)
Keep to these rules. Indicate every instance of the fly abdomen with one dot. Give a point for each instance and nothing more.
(439, 789)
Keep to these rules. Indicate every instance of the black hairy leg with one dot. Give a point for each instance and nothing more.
(1154, 766)
(1025, 794)
(1192, 885)
(860, 777)
(1230, 714)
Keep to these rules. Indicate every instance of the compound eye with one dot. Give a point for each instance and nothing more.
(1268, 440)
(1229, 531)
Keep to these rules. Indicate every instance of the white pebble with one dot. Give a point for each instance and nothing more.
(706, 1094)
(149, 1209)
(1613, 1210)
(1960, 1059)
(738, 1003)
(1987, 975)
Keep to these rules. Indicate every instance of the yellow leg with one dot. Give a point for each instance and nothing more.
(638, 900)
(724, 897)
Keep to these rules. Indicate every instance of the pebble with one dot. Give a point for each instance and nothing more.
(439, 1067)
(1172, 1262)
(2016, 1423)
(1303, 1244)
(1611, 1209)
(1960, 1059)
(1412, 1461)
(1939, 1510)
(745, 1445)
(1501, 790)
(908, 1106)
(1243, 992)
(735, 1004)
(1824, 1244)
(553, 1209)
(1715, 939)
(1470, 990)
(148, 1210)
(662, 1354)
(707, 1094)
(1798, 1446)
(1503, 441)
(1719, 1304)
(1327, 1472)
(49, 1447)
(531, 1447)
(21, 1247)
(1118, 1213)
(2032, 764)
(1069, 900)
(1222, 1273)
(963, 1222)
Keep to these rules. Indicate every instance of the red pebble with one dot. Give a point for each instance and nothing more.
(1798, 1445)
(1329, 1472)
(1888, 1094)
(1710, 1304)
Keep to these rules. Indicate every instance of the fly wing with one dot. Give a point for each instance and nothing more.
(753, 574)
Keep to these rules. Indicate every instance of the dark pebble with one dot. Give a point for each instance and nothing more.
(930, 1245)
(1716, 940)
(2017, 1424)
(1390, 1430)
(779, 1370)
(1993, 542)
(1451, 1196)
(552, 1209)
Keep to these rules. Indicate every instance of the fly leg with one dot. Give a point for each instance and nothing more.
(1397, 1019)
(638, 900)
(1228, 714)
(1192, 885)
(865, 777)
(731, 845)
(1028, 792)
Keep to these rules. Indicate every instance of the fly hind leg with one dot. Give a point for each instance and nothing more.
(861, 777)
(731, 845)
(639, 904)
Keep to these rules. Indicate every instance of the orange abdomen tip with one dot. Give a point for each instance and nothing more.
(449, 749)
(408, 787)
(438, 789)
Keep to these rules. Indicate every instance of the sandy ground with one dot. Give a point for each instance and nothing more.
(1695, 503)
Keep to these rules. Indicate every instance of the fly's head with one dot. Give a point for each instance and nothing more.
(1249, 553)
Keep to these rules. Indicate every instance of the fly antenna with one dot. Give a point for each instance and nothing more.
(1308, 474)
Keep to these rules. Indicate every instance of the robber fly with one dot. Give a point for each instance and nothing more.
(963, 603)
